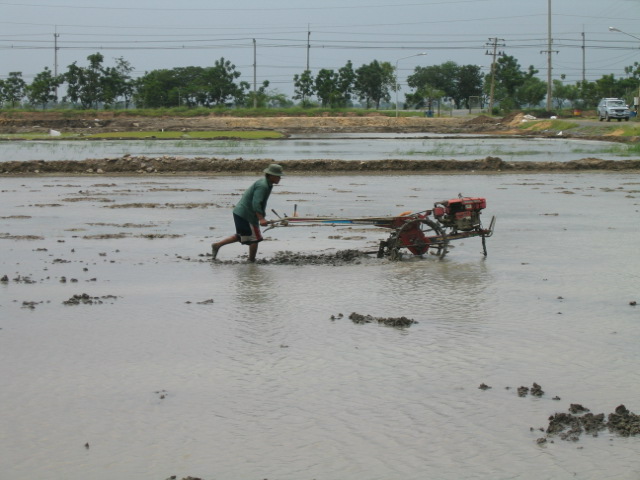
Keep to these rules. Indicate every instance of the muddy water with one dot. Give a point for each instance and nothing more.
(177, 365)
(332, 147)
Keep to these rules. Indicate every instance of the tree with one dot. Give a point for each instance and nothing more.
(456, 82)
(326, 86)
(85, 84)
(564, 93)
(156, 89)
(374, 82)
(278, 100)
(117, 83)
(259, 97)
(424, 97)
(442, 77)
(304, 88)
(219, 85)
(13, 89)
(589, 94)
(346, 82)
(43, 88)
(186, 85)
(469, 85)
(193, 86)
(507, 77)
(606, 85)
(532, 91)
(514, 87)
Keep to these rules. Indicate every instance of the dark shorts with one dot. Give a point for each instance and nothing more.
(246, 232)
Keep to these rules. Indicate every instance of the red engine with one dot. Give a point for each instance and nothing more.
(460, 213)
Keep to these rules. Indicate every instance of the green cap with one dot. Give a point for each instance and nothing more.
(274, 169)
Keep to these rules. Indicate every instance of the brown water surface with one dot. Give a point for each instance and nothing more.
(175, 365)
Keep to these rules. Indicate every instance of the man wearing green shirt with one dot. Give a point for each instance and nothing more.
(249, 214)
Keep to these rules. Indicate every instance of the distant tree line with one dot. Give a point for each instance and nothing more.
(370, 85)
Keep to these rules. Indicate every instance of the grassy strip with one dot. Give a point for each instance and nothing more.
(540, 125)
(626, 129)
(625, 150)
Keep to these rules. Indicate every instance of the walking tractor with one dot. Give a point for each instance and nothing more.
(421, 233)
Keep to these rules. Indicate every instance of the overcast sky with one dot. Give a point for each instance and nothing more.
(166, 34)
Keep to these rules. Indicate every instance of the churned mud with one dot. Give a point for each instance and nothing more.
(168, 165)
(86, 299)
(578, 420)
(397, 322)
(338, 258)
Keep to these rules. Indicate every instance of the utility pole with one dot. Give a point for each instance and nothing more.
(584, 70)
(255, 94)
(308, 43)
(55, 57)
(494, 43)
(549, 51)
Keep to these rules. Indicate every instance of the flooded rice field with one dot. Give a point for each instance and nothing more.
(125, 352)
(330, 147)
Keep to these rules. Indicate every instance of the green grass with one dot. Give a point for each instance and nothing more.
(624, 150)
(453, 150)
(626, 129)
(629, 129)
(538, 125)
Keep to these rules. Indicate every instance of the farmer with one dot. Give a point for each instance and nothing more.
(249, 213)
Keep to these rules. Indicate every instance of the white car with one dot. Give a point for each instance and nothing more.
(609, 108)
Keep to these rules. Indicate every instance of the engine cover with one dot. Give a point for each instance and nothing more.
(460, 213)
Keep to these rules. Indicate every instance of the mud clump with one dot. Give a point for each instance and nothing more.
(579, 420)
(535, 390)
(341, 257)
(577, 408)
(338, 258)
(624, 422)
(396, 322)
(85, 299)
(8, 236)
(569, 427)
(18, 279)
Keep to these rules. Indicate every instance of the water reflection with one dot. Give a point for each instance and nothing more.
(254, 286)
(447, 289)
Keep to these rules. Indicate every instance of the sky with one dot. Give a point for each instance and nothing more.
(281, 36)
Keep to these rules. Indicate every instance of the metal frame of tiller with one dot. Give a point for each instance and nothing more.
(421, 233)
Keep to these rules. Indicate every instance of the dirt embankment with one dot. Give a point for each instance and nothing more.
(28, 122)
(133, 165)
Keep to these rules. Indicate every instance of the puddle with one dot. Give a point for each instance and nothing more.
(335, 147)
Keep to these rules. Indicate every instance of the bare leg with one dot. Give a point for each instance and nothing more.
(226, 241)
(253, 250)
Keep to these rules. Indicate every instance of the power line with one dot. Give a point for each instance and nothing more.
(249, 9)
